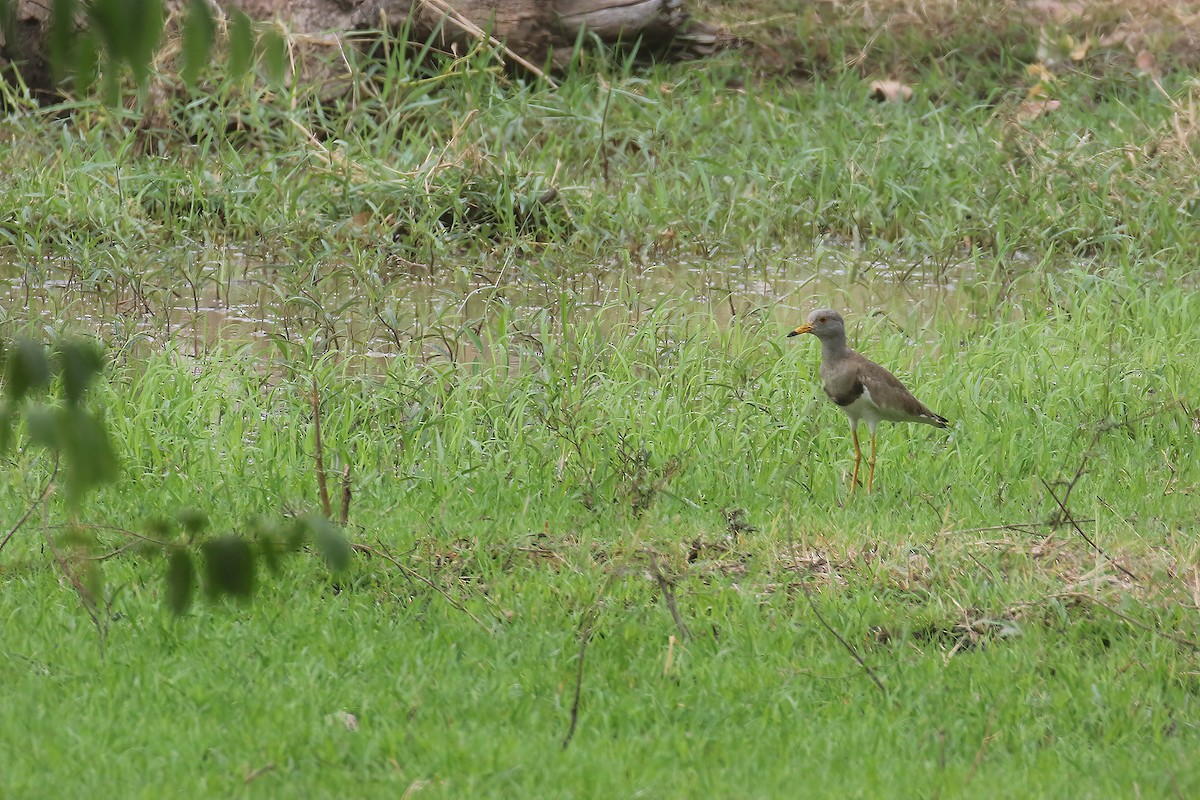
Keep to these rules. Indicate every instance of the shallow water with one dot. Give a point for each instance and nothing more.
(226, 298)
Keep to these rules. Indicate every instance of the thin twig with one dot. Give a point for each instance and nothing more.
(114, 553)
(849, 647)
(1135, 623)
(254, 775)
(411, 573)
(668, 592)
(479, 33)
(1101, 429)
(344, 516)
(41, 498)
(1020, 527)
(86, 599)
(604, 133)
(319, 452)
(1067, 515)
(987, 738)
(141, 539)
(585, 634)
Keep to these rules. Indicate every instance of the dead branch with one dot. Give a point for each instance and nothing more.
(86, 599)
(47, 490)
(1128, 619)
(1063, 513)
(344, 516)
(585, 634)
(667, 586)
(987, 738)
(413, 574)
(478, 33)
(1019, 527)
(849, 647)
(319, 453)
(1066, 514)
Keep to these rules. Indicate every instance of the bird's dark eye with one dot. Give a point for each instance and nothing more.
(822, 320)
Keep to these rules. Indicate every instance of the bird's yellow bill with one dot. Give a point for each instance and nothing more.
(805, 328)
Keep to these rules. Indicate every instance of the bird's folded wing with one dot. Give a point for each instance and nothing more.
(888, 393)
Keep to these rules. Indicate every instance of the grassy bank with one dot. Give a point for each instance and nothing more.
(576, 434)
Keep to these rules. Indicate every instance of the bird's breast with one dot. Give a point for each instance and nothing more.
(843, 392)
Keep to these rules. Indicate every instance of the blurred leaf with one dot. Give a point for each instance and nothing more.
(106, 18)
(26, 369)
(241, 43)
(63, 36)
(193, 520)
(270, 538)
(87, 64)
(8, 10)
(299, 534)
(129, 31)
(271, 551)
(75, 536)
(229, 566)
(330, 541)
(106, 22)
(87, 451)
(78, 362)
(146, 548)
(274, 53)
(6, 427)
(42, 424)
(146, 26)
(199, 30)
(92, 578)
(181, 581)
(111, 90)
(159, 527)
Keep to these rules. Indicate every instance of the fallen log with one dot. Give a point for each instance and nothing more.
(534, 35)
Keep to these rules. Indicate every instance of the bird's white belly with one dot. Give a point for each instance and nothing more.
(864, 409)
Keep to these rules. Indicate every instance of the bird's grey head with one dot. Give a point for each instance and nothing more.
(824, 323)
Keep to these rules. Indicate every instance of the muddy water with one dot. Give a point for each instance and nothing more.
(226, 299)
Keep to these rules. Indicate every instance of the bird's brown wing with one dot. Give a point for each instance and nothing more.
(891, 396)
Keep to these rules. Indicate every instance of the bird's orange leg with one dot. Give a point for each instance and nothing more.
(871, 465)
(857, 458)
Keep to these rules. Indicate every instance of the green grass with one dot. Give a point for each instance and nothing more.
(544, 406)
